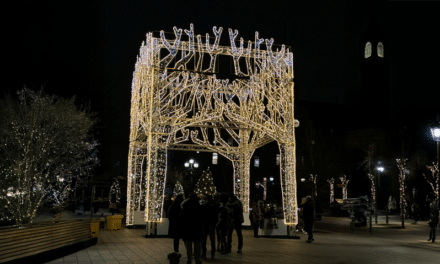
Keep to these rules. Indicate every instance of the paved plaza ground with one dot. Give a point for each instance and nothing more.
(387, 244)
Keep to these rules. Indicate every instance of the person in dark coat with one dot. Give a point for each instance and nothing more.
(433, 220)
(210, 211)
(191, 220)
(257, 218)
(236, 207)
(223, 225)
(308, 213)
(174, 230)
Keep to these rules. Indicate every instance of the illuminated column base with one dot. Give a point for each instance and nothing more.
(155, 182)
(136, 179)
(288, 183)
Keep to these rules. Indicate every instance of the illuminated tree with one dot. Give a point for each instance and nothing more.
(332, 189)
(344, 183)
(435, 180)
(178, 189)
(45, 142)
(205, 185)
(115, 191)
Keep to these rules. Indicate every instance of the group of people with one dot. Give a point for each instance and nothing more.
(193, 219)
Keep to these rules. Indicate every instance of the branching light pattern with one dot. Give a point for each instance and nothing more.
(178, 103)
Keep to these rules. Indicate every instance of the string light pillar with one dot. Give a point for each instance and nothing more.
(288, 181)
(344, 183)
(332, 189)
(401, 164)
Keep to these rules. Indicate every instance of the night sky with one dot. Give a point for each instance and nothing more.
(88, 48)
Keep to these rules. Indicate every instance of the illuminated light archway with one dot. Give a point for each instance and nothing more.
(178, 103)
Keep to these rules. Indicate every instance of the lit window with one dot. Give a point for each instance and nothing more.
(278, 159)
(214, 158)
(368, 50)
(256, 162)
(380, 49)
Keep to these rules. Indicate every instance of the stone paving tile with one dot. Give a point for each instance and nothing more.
(386, 245)
(57, 261)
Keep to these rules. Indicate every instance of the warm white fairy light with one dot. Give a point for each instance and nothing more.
(115, 190)
(205, 185)
(435, 179)
(178, 189)
(332, 189)
(344, 183)
(401, 164)
(178, 104)
(264, 186)
(44, 145)
(373, 190)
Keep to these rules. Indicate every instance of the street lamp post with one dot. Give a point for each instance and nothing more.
(435, 132)
(191, 165)
(380, 169)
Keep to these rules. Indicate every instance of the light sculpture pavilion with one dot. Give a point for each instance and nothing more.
(179, 104)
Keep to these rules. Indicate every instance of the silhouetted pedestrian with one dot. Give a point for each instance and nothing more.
(433, 220)
(210, 211)
(192, 227)
(415, 211)
(236, 207)
(174, 230)
(256, 218)
(309, 217)
(223, 225)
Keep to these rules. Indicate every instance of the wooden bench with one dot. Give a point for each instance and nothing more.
(21, 242)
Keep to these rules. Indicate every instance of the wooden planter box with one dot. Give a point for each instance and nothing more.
(22, 242)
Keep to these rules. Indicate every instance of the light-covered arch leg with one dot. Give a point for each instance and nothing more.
(288, 183)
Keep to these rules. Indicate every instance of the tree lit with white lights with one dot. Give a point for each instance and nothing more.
(45, 143)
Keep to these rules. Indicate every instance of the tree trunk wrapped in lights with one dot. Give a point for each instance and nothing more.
(178, 103)
(344, 183)
(205, 185)
(332, 189)
(401, 164)
(373, 190)
(435, 181)
(45, 143)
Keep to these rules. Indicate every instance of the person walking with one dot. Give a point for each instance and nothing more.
(416, 212)
(174, 229)
(191, 220)
(223, 226)
(210, 211)
(433, 220)
(309, 217)
(257, 218)
(236, 207)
